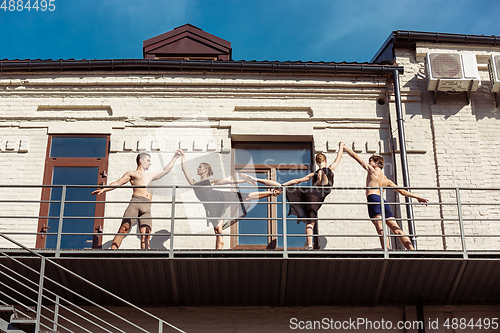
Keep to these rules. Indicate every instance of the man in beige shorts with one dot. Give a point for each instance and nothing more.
(140, 206)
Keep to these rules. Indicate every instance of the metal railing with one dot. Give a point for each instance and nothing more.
(441, 217)
(46, 299)
(51, 307)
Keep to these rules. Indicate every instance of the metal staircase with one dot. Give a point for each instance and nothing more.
(30, 302)
(14, 321)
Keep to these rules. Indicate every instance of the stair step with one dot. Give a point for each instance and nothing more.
(6, 311)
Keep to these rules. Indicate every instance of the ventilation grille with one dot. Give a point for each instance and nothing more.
(446, 66)
(494, 69)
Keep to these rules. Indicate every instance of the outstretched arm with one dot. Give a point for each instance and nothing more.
(358, 159)
(167, 168)
(406, 193)
(339, 157)
(122, 181)
(299, 180)
(229, 181)
(189, 179)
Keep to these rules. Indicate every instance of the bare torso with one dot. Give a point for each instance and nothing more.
(140, 179)
(375, 179)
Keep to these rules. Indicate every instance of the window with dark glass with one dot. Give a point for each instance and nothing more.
(74, 161)
(280, 162)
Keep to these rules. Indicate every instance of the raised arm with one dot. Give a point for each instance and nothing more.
(406, 193)
(339, 157)
(122, 181)
(358, 159)
(168, 167)
(189, 179)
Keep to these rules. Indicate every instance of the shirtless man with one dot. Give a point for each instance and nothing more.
(376, 178)
(140, 205)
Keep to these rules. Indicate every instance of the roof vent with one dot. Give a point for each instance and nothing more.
(494, 69)
(452, 72)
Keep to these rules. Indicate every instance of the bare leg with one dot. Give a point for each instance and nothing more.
(254, 180)
(391, 223)
(145, 231)
(263, 194)
(309, 233)
(117, 240)
(378, 226)
(219, 241)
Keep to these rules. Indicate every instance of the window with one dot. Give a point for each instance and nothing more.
(276, 161)
(73, 160)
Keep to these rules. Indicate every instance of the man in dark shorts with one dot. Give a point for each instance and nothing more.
(140, 206)
(376, 178)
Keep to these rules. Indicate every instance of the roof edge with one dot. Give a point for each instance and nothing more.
(197, 65)
(410, 38)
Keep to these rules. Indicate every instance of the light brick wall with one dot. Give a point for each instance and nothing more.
(459, 141)
(159, 113)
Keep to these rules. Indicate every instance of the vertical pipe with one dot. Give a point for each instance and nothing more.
(461, 223)
(404, 157)
(420, 315)
(61, 219)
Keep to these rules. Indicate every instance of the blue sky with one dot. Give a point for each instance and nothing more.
(312, 30)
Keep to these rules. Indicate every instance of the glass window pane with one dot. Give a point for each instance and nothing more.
(78, 146)
(292, 227)
(249, 226)
(286, 156)
(84, 211)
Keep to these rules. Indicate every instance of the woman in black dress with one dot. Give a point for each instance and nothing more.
(221, 200)
(308, 200)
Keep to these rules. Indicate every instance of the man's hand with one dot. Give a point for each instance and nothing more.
(422, 200)
(97, 192)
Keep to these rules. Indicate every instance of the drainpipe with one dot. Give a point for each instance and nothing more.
(404, 159)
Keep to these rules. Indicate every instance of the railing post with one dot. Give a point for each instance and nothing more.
(285, 243)
(40, 295)
(384, 232)
(461, 223)
(60, 226)
(172, 223)
(56, 313)
(160, 327)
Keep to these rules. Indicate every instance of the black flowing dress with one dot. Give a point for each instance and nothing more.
(316, 195)
(225, 200)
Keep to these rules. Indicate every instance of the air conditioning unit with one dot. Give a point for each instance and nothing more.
(452, 72)
(494, 69)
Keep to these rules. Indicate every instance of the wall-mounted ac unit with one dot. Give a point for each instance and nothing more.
(452, 72)
(494, 69)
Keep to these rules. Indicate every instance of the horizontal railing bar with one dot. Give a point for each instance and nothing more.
(253, 187)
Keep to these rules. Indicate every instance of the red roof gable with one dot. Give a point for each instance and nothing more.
(187, 41)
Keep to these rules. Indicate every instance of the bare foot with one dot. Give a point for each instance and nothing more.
(249, 179)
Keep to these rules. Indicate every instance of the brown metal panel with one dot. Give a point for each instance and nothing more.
(332, 281)
(480, 282)
(408, 279)
(317, 279)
